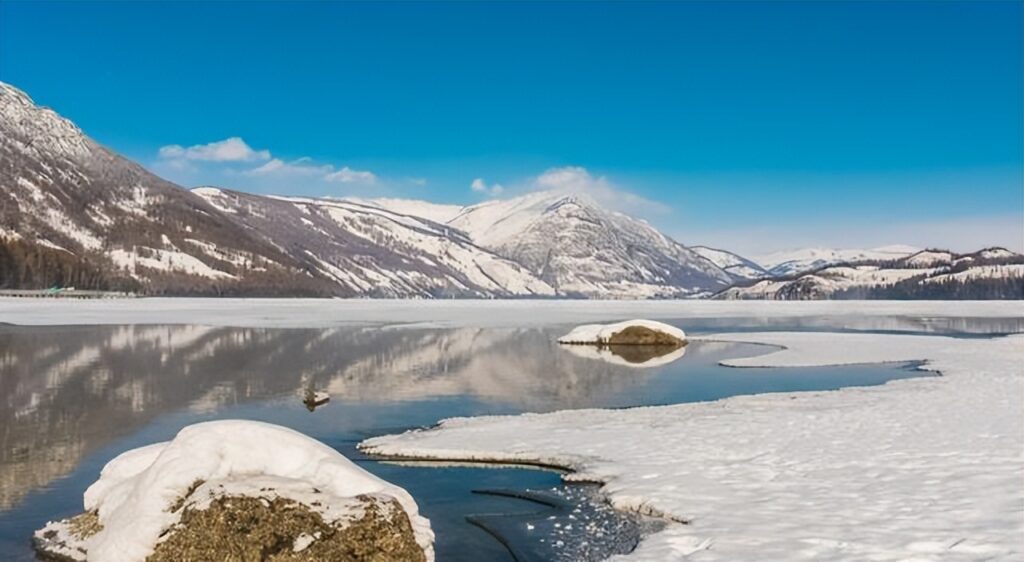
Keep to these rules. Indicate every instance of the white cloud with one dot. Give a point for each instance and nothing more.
(576, 179)
(233, 149)
(300, 167)
(304, 167)
(178, 158)
(348, 175)
(569, 178)
(480, 186)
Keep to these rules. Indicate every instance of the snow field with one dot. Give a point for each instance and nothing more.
(917, 469)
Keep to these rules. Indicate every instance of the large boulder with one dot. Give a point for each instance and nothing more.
(240, 490)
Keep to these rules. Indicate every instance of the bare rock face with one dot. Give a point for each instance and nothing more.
(642, 335)
(248, 528)
(64, 540)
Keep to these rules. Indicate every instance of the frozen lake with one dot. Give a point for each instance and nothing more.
(75, 396)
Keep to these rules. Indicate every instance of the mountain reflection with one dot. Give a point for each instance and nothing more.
(69, 390)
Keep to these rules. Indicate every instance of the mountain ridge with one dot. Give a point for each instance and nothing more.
(66, 195)
(74, 213)
(989, 273)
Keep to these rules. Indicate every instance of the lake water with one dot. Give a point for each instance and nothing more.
(75, 397)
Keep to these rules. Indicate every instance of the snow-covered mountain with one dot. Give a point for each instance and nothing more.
(540, 244)
(74, 213)
(582, 249)
(735, 265)
(370, 248)
(791, 262)
(71, 205)
(937, 274)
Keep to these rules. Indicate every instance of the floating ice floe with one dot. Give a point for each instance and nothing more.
(630, 332)
(236, 487)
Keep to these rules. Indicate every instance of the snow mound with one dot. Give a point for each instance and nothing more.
(603, 334)
(136, 492)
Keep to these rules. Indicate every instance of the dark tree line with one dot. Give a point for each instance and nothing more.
(25, 265)
(28, 265)
(994, 288)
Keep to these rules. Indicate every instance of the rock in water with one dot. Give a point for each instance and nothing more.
(314, 400)
(630, 332)
(240, 490)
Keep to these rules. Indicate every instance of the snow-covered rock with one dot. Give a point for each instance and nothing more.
(147, 497)
(314, 399)
(629, 332)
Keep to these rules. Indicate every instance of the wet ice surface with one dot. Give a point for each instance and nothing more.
(578, 525)
(73, 397)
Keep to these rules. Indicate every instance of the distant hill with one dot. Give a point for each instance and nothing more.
(738, 267)
(992, 273)
(791, 262)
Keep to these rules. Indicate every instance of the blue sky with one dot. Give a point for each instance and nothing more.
(751, 126)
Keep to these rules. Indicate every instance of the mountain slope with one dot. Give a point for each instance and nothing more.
(369, 250)
(735, 265)
(929, 274)
(68, 203)
(808, 259)
(74, 213)
(581, 249)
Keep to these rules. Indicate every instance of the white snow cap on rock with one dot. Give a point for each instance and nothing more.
(136, 489)
(601, 333)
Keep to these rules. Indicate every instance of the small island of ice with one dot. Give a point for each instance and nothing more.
(240, 488)
(630, 332)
